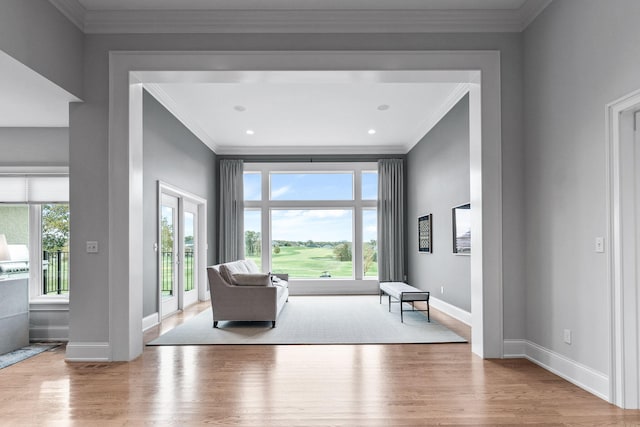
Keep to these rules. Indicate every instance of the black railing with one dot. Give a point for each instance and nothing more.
(167, 273)
(55, 272)
(168, 263)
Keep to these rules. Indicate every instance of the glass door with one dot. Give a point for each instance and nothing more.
(190, 253)
(169, 259)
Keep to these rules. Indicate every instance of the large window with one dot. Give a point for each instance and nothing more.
(34, 216)
(313, 220)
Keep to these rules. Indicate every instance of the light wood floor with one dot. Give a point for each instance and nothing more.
(296, 385)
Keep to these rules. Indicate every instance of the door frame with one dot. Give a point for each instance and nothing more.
(624, 382)
(202, 245)
(177, 248)
(129, 71)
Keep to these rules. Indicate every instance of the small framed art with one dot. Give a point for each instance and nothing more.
(424, 234)
(461, 218)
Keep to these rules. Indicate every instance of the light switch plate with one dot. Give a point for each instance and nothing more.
(599, 244)
(92, 247)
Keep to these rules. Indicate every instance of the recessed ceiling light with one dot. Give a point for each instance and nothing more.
(240, 108)
(383, 107)
(371, 131)
(250, 132)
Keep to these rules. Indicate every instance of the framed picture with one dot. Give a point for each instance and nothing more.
(424, 234)
(461, 216)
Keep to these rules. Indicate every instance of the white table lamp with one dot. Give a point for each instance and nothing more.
(4, 249)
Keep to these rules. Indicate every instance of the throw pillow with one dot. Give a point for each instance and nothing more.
(251, 279)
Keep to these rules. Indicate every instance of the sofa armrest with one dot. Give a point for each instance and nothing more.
(282, 276)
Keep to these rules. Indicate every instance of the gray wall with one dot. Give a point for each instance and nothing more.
(89, 155)
(579, 56)
(437, 180)
(34, 146)
(35, 33)
(172, 154)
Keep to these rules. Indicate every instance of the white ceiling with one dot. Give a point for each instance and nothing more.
(29, 100)
(304, 112)
(294, 115)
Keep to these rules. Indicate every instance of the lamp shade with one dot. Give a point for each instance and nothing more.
(4, 249)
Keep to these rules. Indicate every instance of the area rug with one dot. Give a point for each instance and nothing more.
(23, 353)
(317, 320)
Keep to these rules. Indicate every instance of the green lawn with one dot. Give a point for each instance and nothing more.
(307, 263)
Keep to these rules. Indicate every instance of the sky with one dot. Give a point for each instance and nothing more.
(327, 225)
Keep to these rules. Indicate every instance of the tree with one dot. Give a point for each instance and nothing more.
(342, 252)
(370, 254)
(166, 235)
(55, 228)
(276, 249)
(252, 243)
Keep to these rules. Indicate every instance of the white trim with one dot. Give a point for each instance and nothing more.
(514, 349)
(333, 287)
(49, 333)
(34, 170)
(589, 379)
(451, 310)
(150, 321)
(88, 352)
(310, 150)
(621, 243)
(301, 20)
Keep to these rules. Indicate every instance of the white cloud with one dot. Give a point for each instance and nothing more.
(280, 191)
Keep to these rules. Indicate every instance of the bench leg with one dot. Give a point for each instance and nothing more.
(273, 324)
(389, 303)
(401, 312)
(215, 323)
(428, 314)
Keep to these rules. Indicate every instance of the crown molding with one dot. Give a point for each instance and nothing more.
(425, 127)
(73, 10)
(310, 150)
(169, 103)
(299, 21)
(530, 11)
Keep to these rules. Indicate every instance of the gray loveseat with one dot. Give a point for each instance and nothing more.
(239, 291)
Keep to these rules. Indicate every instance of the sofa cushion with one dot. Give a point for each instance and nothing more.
(251, 279)
(230, 268)
(251, 266)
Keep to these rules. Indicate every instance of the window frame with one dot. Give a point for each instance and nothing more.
(357, 205)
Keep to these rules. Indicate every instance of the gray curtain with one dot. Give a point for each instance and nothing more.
(231, 210)
(391, 220)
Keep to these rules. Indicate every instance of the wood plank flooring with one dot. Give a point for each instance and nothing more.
(296, 385)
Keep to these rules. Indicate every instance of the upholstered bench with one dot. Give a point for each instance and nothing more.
(403, 292)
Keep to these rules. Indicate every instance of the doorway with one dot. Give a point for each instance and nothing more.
(623, 133)
(181, 249)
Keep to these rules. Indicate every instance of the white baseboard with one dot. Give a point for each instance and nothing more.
(150, 321)
(451, 310)
(49, 333)
(88, 352)
(589, 379)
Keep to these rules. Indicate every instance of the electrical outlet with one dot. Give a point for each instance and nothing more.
(567, 336)
(92, 247)
(442, 289)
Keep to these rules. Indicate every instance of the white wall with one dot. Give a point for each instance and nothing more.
(579, 56)
(437, 180)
